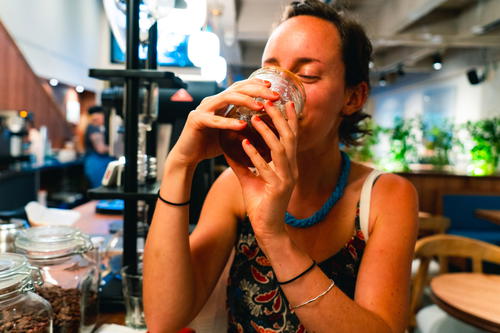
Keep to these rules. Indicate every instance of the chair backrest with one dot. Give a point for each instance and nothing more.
(444, 245)
(457, 246)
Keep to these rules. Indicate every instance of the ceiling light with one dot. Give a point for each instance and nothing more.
(203, 46)
(79, 89)
(215, 69)
(53, 82)
(437, 62)
(382, 81)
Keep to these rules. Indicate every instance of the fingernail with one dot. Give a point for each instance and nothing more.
(246, 141)
(268, 83)
(293, 105)
(260, 105)
(257, 118)
(269, 103)
(275, 94)
(243, 122)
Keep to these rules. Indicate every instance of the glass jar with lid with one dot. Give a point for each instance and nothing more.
(21, 310)
(69, 264)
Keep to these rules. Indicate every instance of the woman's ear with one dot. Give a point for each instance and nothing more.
(355, 98)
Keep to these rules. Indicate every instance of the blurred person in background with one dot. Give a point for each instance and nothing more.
(96, 150)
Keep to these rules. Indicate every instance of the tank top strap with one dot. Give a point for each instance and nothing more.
(365, 200)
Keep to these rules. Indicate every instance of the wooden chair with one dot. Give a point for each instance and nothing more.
(429, 225)
(432, 224)
(444, 245)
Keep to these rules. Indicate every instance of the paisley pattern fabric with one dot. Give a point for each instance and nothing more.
(255, 303)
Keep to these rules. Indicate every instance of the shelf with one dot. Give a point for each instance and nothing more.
(11, 159)
(166, 79)
(145, 192)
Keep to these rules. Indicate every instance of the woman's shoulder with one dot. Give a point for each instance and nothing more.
(392, 185)
(384, 183)
(394, 197)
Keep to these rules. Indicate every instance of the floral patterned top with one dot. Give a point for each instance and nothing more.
(255, 303)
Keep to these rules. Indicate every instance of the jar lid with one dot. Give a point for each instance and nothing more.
(51, 242)
(15, 269)
(11, 224)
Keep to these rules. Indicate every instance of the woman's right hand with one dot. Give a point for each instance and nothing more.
(199, 139)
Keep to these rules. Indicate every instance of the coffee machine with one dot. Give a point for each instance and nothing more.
(13, 129)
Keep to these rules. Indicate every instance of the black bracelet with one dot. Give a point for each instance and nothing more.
(298, 276)
(173, 203)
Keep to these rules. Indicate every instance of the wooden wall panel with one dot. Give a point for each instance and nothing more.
(431, 187)
(20, 89)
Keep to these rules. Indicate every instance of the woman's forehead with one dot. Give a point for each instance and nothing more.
(304, 36)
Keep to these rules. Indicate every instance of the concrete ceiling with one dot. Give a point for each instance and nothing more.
(405, 33)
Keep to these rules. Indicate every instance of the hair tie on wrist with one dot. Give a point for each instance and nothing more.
(298, 276)
(173, 203)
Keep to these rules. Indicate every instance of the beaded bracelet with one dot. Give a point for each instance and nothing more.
(173, 203)
(293, 308)
(298, 276)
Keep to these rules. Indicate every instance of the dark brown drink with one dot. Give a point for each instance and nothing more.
(231, 141)
(289, 88)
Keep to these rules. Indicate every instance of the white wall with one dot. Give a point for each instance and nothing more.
(471, 102)
(60, 39)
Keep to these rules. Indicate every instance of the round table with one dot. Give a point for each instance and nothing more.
(471, 297)
(492, 215)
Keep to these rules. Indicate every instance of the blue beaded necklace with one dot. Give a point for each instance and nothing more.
(332, 200)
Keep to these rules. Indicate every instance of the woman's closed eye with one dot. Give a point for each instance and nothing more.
(308, 78)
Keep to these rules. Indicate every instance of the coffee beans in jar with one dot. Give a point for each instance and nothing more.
(21, 310)
(66, 304)
(68, 263)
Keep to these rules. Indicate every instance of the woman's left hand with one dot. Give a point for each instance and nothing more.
(267, 193)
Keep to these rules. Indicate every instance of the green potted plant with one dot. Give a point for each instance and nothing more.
(439, 140)
(485, 152)
(402, 145)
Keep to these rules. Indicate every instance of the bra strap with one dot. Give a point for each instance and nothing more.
(364, 201)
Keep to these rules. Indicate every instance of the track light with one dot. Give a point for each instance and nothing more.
(382, 81)
(400, 71)
(437, 62)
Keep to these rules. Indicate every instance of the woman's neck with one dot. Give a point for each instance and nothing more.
(318, 172)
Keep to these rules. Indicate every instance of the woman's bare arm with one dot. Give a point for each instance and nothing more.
(180, 271)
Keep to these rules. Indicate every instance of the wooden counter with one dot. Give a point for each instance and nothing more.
(431, 185)
(93, 223)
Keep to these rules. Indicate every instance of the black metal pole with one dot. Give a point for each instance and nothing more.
(131, 124)
(152, 47)
(152, 63)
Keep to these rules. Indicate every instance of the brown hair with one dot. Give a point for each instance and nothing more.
(356, 55)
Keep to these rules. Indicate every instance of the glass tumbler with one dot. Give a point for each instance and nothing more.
(290, 88)
(132, 297)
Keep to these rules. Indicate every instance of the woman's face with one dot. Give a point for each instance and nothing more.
(311, 48)
(97, 119)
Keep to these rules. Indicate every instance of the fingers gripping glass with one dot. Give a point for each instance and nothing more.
(290, 89)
